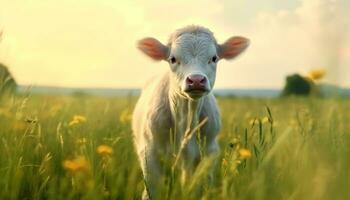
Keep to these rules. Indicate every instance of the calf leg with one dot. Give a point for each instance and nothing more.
(190, 161)
(212, 149)
(153, 174)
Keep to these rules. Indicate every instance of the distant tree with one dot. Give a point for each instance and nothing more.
(298, 85)
(8, 84)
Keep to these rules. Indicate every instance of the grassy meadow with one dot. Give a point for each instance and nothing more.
(80, 147)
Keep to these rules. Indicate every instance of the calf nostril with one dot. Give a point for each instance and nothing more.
(203, 80)
(189, 80)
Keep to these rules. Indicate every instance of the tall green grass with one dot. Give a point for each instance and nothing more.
(299, 149)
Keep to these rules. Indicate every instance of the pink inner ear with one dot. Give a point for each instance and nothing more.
(233, 47)
(153, 48)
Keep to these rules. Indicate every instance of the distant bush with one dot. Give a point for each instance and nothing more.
(298, 85)
(8, 84)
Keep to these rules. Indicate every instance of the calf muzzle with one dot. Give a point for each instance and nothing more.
(196, 84)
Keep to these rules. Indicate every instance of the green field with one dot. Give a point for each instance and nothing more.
(301, 150)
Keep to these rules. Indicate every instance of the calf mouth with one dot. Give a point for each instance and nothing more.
(196, 93)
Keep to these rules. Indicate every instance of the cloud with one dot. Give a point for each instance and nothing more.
(312, 35)
(92, 43)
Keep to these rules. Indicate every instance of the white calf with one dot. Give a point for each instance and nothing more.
(179, 100)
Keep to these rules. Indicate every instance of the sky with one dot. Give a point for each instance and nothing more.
(92, 43)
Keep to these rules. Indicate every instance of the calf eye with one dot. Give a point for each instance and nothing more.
(172, 60)
(214, 59)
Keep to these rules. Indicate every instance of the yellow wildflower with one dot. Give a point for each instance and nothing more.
(245, 153)
(73, 122)
(19, 125)
(125, 116)
(104, 150)
(79, 164)
(224, 162)
(265, 120)
(77, 119)
(316, 74)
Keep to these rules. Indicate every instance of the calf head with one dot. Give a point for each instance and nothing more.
(193, 54)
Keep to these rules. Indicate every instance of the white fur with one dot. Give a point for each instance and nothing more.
(164, 107)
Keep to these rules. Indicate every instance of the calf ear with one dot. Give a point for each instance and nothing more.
(153, 48)
(233, 47)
